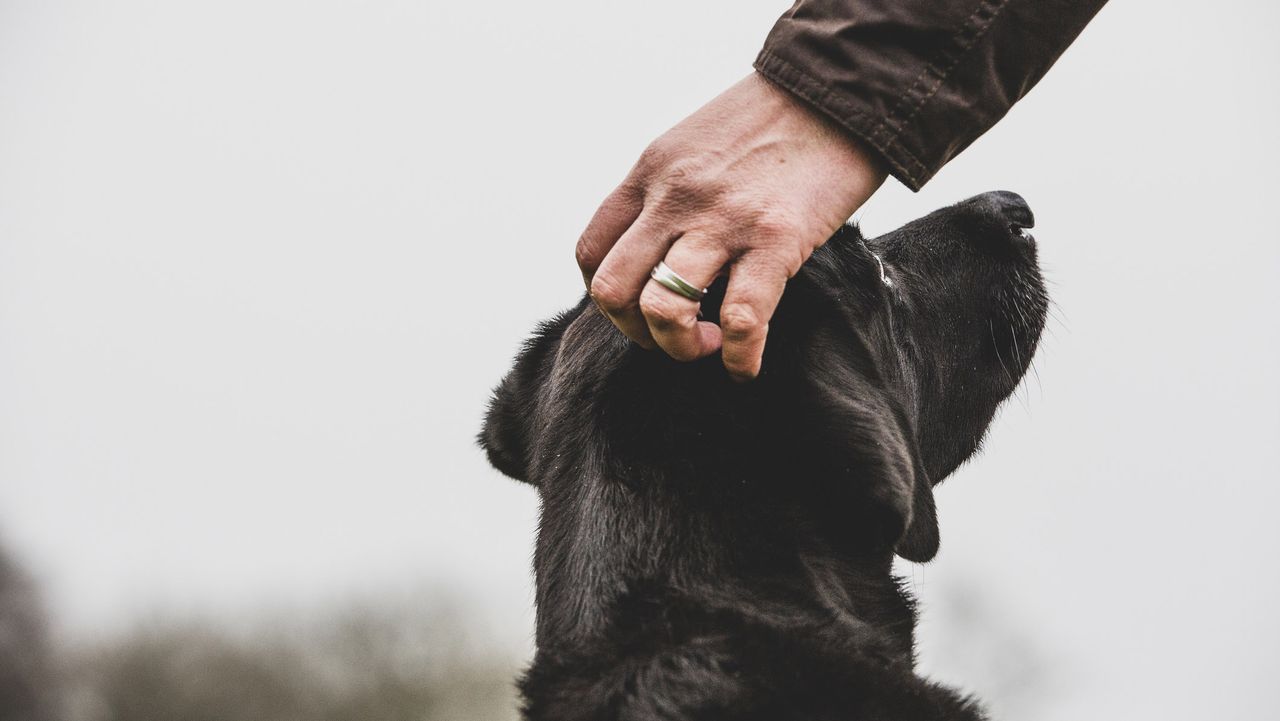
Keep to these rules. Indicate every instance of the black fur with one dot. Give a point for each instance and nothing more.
(710, 550)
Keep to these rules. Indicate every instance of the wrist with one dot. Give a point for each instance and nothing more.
(855, 167)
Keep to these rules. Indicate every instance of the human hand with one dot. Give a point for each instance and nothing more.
(752, 183)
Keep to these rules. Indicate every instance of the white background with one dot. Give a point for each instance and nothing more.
(260, 263)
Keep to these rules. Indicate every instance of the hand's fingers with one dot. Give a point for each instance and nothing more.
(612, 218)
(756, 282)
(673, 318)
(621, 277)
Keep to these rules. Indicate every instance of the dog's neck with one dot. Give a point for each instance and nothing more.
(659, 563)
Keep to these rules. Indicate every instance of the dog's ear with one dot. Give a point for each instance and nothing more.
(507, 434)
(864, 441)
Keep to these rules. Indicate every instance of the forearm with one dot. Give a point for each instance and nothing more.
(918, 80)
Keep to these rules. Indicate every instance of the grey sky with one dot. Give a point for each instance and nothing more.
(260, 263)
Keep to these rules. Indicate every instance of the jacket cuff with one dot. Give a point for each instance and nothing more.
(846, 112)
(918, 80)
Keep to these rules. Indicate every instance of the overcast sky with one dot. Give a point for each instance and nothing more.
(260, 263)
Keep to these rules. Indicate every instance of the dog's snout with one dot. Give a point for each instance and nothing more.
(1011, 206)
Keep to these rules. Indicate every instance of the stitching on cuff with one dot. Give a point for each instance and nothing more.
(977, 24)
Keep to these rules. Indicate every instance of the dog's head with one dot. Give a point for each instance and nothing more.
(886, 361)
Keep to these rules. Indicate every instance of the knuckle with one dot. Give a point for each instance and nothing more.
(683, 170)
(661, 310)
(686, 186)
(764, 220)
(586, 255)
(773, 225)
(608, 294)
(653, 157)
(759, 227)
(739, 320)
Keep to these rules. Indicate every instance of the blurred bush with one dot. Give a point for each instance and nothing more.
(367, 663)
(28, 680)
(371, 661)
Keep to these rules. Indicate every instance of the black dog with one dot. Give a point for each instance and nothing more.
(710, 550)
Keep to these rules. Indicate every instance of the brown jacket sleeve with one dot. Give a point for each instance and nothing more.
(919, 80)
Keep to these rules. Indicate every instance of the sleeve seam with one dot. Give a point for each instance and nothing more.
(966, 38)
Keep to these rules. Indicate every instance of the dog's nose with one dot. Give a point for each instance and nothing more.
(1009, 205)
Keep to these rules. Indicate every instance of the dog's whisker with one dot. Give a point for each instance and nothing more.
(996, 345)
(1022, 314)
(1036, 372)
(1022, 383)
(1054, 310)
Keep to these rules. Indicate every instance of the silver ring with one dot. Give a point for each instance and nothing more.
(672, 281)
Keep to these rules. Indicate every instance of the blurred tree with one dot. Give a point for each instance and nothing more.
(27, 675)
(366, 663)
